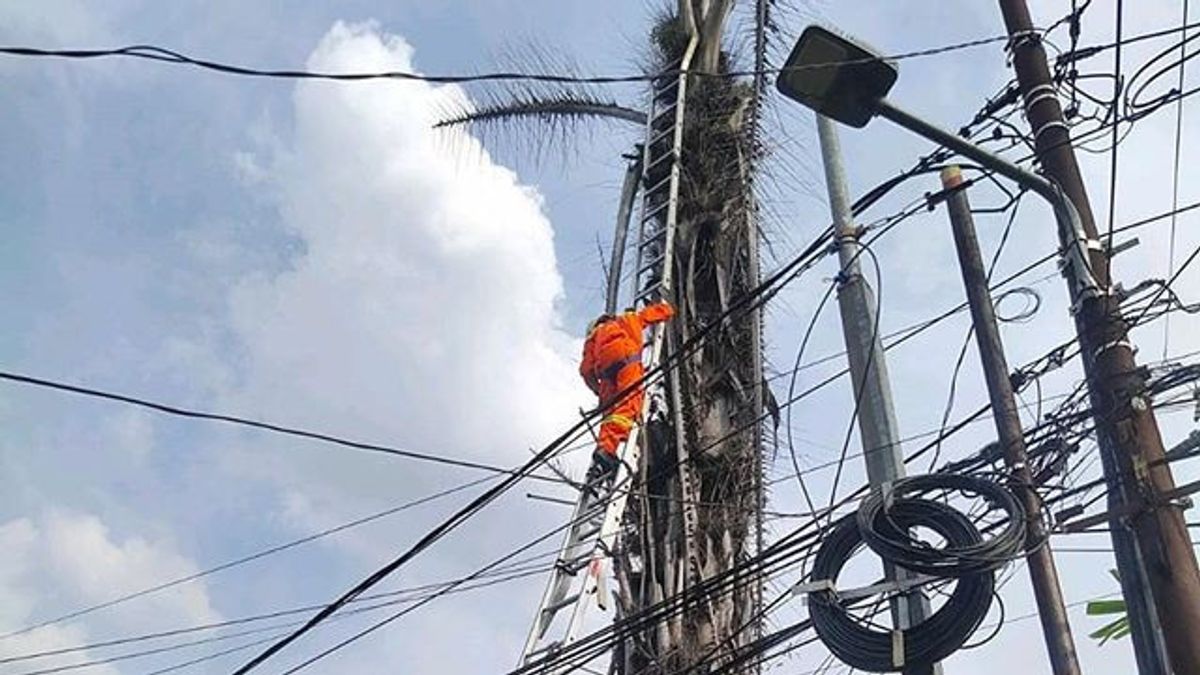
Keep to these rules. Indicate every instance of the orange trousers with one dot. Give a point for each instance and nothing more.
(619, 420)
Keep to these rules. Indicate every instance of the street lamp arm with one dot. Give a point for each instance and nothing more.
(1074, 240)
(962, 146)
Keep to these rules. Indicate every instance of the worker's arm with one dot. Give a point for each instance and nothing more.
(656, 313)
(587, 368)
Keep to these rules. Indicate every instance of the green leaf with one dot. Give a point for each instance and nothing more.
(1102, 607)
(1112, 631)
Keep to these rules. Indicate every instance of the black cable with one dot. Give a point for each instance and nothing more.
(164, 55)
(930, 641)
(245, 559)
(161, 54)
(390, 598)
(764, 289)
(128, 656)
(962, 352)
(1175, 172)
(888, 537)
(812, 324)
(860, 390)
(255, 424)
(1118, 84)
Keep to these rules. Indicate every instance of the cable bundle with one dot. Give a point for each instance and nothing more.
(941, 634)
(891, 540)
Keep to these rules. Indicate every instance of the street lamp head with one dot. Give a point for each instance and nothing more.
(836, 76)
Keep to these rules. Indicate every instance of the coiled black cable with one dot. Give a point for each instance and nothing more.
(891, 540)
(945, 631)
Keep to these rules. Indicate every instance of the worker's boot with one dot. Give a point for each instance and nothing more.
(601, 472)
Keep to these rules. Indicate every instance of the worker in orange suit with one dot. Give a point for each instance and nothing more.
(612, 364)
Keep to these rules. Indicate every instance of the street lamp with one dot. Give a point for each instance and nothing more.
(848, 81)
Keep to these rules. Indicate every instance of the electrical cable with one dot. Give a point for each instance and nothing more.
(255, 424)
(244, 633)
(890, 539)
(930, 641)
(788, 273)
(962, 352)
(1175, 172)
(860, 390)
(1118, 85)
(244, 559)
(812, 324)
(164, 55)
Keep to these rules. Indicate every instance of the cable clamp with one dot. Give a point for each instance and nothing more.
(898, 648)
(1052, 124)
(818, 586)
(1021, 38)
(842, 279)
(1038, 94)
(1114, 344)
(1113, 250)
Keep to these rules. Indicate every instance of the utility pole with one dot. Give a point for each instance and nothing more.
(1047, 591)
(629, 188)
(868, 366)
(1127, 431)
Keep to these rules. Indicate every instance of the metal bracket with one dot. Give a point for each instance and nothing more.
(898, 585)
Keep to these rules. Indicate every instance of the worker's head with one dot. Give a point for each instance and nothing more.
(597, 321)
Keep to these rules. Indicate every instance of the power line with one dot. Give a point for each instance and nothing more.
(244, 559)
(747, 302)
(436, 590)
(1175, 170)
(170, 56)
(257, 424)
(164, 55)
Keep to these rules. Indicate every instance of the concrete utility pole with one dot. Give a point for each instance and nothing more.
(1047, 591)
(1127, 430)
(629, 188)
(868, 365)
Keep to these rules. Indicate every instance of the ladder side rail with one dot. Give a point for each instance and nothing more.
(539, 625)
(632, 449)
(641, 228)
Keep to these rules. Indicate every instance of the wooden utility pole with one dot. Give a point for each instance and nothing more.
(1047, 591)
(1127, 429)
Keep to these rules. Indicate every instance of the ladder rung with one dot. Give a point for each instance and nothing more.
(650, 248)
(667, 81)
(542, 650)
(667, 154)
(590, 532)
(574, 565)
(652, 238)
(658, 186)
(550, 609)
(652, 263)
(666, 113)
(649, 290)
(650, 214)
(667, 133)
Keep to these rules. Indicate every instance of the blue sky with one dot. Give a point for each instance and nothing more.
(315, 255)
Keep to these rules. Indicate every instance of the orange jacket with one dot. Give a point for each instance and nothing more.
(617, 342)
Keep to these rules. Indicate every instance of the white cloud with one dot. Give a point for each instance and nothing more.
(71, 560)
(423, 308)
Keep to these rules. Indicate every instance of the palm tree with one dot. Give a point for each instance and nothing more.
(720, 390)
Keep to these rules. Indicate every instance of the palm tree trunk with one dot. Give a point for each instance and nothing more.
(719, 386)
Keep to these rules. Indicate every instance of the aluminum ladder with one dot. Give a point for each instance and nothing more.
(584, 559)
